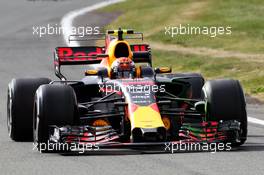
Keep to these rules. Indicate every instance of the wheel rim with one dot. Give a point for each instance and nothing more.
(9, 112)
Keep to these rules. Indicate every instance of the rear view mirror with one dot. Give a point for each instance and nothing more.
(91, 72)
(102, 72)
(161, 70)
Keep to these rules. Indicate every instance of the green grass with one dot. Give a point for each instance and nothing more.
(249, 73)
(144, 15)
(245, 17)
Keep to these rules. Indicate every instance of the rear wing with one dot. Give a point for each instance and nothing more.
(141, 53)
(94, 55)
(77, 56)
(139, 47)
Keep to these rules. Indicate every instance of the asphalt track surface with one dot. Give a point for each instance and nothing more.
(24, 55)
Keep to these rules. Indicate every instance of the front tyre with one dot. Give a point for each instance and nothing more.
(54, 105)
(225, 101)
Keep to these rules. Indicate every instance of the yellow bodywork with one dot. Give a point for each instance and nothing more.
(145, 117)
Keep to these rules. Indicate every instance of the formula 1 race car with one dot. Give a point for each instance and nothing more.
(124, 101)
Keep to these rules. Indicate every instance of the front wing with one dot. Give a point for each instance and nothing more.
(108, 138)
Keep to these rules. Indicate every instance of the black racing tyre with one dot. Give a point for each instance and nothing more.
(196, 80)
(20, 100)
(55, 104)
(225, 100)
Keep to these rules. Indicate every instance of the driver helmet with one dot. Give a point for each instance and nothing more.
(123, 67)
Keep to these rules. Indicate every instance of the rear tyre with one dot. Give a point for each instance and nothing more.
(225, 101)
(54, 105)
(20, 100)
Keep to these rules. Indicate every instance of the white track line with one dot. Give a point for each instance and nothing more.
(255, 121)
(67, 20)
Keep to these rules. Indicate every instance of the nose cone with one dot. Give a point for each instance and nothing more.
(145, 117)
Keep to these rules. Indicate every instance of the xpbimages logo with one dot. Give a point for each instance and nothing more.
(195, 146)
(132, 88)
(211, 31)
(56, 29)
(79, 147)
